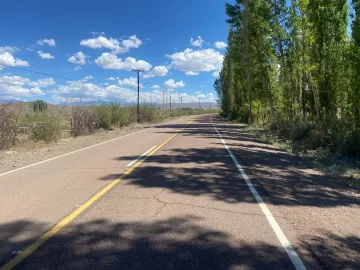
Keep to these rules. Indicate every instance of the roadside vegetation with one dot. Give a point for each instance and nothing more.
(40, 121)
(291, 71)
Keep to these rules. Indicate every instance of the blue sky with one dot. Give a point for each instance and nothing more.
(179, 43)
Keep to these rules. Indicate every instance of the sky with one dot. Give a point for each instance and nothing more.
(89, 49)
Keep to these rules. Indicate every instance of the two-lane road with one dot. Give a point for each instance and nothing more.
(183, 203)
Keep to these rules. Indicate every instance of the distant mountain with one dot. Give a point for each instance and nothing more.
(10, 101)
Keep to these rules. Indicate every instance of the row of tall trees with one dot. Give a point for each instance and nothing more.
(292, 60)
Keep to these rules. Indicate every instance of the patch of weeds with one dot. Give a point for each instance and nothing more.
(337, 167)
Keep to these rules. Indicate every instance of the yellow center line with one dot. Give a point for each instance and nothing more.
(34, 246)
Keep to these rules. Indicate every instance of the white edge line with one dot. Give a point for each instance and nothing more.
(294, 257)
(135, 160)
(91, 146)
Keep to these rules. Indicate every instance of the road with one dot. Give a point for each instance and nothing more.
(168, 197)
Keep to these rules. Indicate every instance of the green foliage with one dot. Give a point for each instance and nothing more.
(293, 64)
(39, 106)
(43, 127)
(103, 114)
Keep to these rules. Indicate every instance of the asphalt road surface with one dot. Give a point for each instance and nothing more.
(169, 197)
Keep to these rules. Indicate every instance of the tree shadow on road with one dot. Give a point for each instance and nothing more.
(174, 243)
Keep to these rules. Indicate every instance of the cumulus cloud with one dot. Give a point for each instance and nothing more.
(92, 92)
(117, 46)
(16, 87)
(100, 42)
(220, 45)
(7, 58)
(172, 84)
(42, 82)
(44, 55)
(195, 61)
(111, 61)
(78, 58)
(157, 71)
(51, 42)
(132, 82)
(155, 86)
(77, 68)
(197, 42)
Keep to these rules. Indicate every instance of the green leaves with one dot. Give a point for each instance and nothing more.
(291, 60)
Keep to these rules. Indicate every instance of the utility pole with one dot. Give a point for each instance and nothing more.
(199, 103)
(138, 94)
(163, 106)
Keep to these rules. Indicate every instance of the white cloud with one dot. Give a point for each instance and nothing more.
(77, 68)
(92, 92)
(100, 42)
(197, 42)
(111, 61)
(10, 49)
(132, 42)
(132, 82)
(172, 84)
(216, 74)
(78, 58)
(160, 71)
(44, 55)
(220, 45)
(197, 61)
(112, 78)
(157, 71)
(155, 86)
(191, 73)
(15, 87)
(42, 82)
(117, 46)
(51, 42)
(7, 58)
(79, 89)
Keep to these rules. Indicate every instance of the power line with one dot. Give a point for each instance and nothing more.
(37, 72)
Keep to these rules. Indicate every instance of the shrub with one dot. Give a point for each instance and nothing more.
(127, 116)
(301, 131)
(44, 127)
(351, 145)
(103, 114)
(149, 113)
(83, 121)
(8, 128)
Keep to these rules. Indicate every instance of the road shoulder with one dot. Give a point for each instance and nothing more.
(321, 216)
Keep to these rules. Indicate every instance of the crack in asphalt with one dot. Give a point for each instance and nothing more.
(164, 204)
